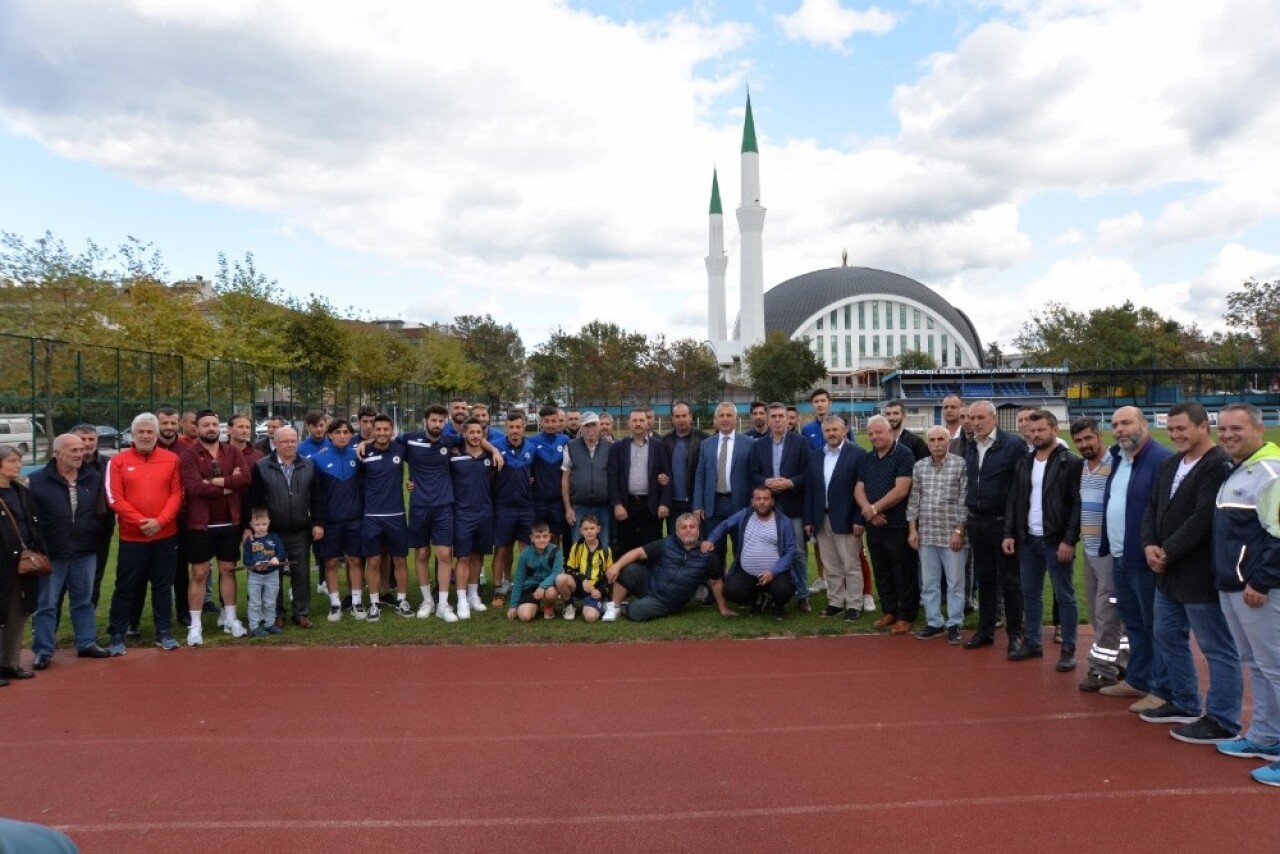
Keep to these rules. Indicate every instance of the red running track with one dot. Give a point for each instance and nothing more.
(819, 744)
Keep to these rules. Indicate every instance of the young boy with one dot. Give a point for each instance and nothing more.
(535, 576)
(584, 576)
(263, 553)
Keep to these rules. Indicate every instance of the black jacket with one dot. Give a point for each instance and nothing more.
(1059, 493)
(1182, 525)
(916, 445)
(67, 535)
(295, 505)
(690, 457)
(11, 582)
(989, 486)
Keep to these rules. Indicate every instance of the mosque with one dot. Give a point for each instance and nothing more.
(858, 320)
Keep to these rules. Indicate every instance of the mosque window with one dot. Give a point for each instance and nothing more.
(819, 350)
(835, 351)
(946, 351)
(928, 319)
(875, 314)
(888, 315)
(833, 319)
(862, 315)
(917, 347)
(902, 341)
(848, 348)
(862, 345)
(875, 345)
(902, 316)
(848, 316)
(915, 317)
(957, 362)
(932, 353)
(888, 346)
(819, 322)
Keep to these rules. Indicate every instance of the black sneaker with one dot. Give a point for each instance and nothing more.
(953, 635)
(832, 611)
(852, 615)
(929, 632)
(133, 632)
(1204, 731)
(757, 607)
(803, 606)
(1095, 682)
(1066, 661)
(779, 611)
(1168, 713)
(1024, 651)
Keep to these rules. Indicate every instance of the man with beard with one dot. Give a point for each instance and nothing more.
(953, 416)
(639, 500)
(382, 528)
(882, 493)
(683, 444)
(240, 437)
(759, 420)
(895, 412)
(1135, 466)
(673, 568)
(472, 471)
(458, 410)
(781, 462)
(572, 422)
(480, 412)
(548, 463)
(513, 501)
(761, 573)
(214, 478)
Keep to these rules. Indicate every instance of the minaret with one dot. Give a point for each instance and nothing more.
(717, 263)
(751, 227)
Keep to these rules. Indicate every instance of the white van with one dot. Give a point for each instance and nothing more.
(18, 431)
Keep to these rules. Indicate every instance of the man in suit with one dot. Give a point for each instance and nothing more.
(638, 497)
(780, 462)
(683, 444)
(830, 515)
(722, 483)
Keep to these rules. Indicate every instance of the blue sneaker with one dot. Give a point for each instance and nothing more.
(115, 645)
(1267, 775)
(167, 643)
(1246, 749)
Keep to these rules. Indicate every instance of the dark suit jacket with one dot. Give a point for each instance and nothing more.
(620, 473)
(691, 455)
(1182, 525)
(916, 445)
(837, 497)
(795, 464)
(704, 485)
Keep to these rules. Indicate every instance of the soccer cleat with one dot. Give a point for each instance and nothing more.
(570, 612)
(195, 637)
(335, 613)
(444, 612)
(374, 614)
(404, 609)
(610, 612)
(236, 629)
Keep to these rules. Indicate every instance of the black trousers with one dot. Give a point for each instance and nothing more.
(897, 571)
(639, 528)
(996, 571)
(742, 588)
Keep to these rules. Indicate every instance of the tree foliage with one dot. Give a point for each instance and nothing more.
(916, 360)
(1121, 336)
(497, 351)
(1254, 311)
(780, 367)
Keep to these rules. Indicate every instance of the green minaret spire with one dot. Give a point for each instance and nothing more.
(715, 193)
(749, 130)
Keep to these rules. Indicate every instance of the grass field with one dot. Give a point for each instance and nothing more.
(493, 627)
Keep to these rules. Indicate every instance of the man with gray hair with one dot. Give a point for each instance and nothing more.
(722, 480)
(884, 485)
(663, 574)
(936, 530)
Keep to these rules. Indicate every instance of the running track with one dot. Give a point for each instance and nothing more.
(820, 744)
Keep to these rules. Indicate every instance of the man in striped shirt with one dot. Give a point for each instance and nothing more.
(1109, 653)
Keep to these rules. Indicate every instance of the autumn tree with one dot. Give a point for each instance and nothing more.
(497, 351)
(1254, 310)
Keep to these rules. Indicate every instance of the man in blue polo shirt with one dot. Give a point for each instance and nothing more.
(383, 528)
(472, 471)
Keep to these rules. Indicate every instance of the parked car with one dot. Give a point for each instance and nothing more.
(108, 437)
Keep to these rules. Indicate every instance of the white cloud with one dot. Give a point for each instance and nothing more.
(1119, 232)
(829, 24)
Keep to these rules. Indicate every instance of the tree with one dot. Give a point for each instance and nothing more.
(249, 314)
(916, 360)
(445, 368)
(314, 338)
(694, 373)
(993, 356)
(1255, 311)
(497, 351)
(782, 367)
(1121, 336)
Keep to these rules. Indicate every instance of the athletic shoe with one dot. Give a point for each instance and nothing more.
(195, 637)
(953, 635)
(497, 601)
(444, 612)
(464, 608)
(323, 589)
(1267, 775)
(273, 629)
(1146, 704)
(115, 645)
(404, 609)
(358, 611)
(1121, 689)
(610, 612)
(868, 603)
(852, 615)
(819, 586)
(222, 620)
(425, 609)
(1168, 713)
(1096, 682)
(1204, 731)
(548, 612)
(335, 613)
(236, 629)
(473, 599)
(570, 612)
(167, 643)
(259, 632)
(832, 611)
(1246, 749)
(374, 614)
(929, 632)
(133, 632)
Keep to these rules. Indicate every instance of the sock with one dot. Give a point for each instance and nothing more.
(375, 598)
(400, 597)
(229, 611)
(335, 600)
(473, 590)
(195, 618)
(355, 598)
(426, 592)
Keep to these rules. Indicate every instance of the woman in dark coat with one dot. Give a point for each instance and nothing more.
(19, 594)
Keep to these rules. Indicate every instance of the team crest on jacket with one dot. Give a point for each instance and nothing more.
(488, 462)
(443, 449)
(353, 462)
(395, 460)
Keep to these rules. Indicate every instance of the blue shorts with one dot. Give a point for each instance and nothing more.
(511, 524)
(472, 534)
(380, 534)
(592, 602)
(550, 511)
(430, 526)
(340, 540)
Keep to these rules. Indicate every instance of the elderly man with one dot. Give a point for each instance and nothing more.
(664, 574)
(1246, 567)
(990, 458)
(144, 489)
(882, 492)
(1042, 526)
(584, 482)
(69, 498)
(722, 483)
(761, 572)
(1136, 459)
(832, 517)
(1177, 539)
(284, 483)
(88, 436)
(936, 530)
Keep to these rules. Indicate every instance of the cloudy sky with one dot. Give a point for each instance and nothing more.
(550, 162)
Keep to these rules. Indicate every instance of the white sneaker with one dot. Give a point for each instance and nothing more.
(195, 636)
(444, 612)
(357, 611)
(374, 614)
(611, 611)
(222, 619)
(425, 609)
(868, 603)
(335, 613)
(569, 611)
(464, 609)
(473, 599)
(323, 588)
(818, 586)
(235, 628)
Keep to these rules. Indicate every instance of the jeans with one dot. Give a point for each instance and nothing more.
(136, 564)
(602, 512)
(1036, 556)
(74, 573)
(1173, 621)
(1257, 635)
(263, 589)
(1136, 599)
(935, 562)
(800, 567)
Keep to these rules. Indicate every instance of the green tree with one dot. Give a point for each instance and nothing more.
(993, 356)
(694, 374)
(316, 339)
(497, 351)
(250, 316)
(1121, 336)
(780, 367)
(1255, 311)
(916, 360)
(445, 369)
